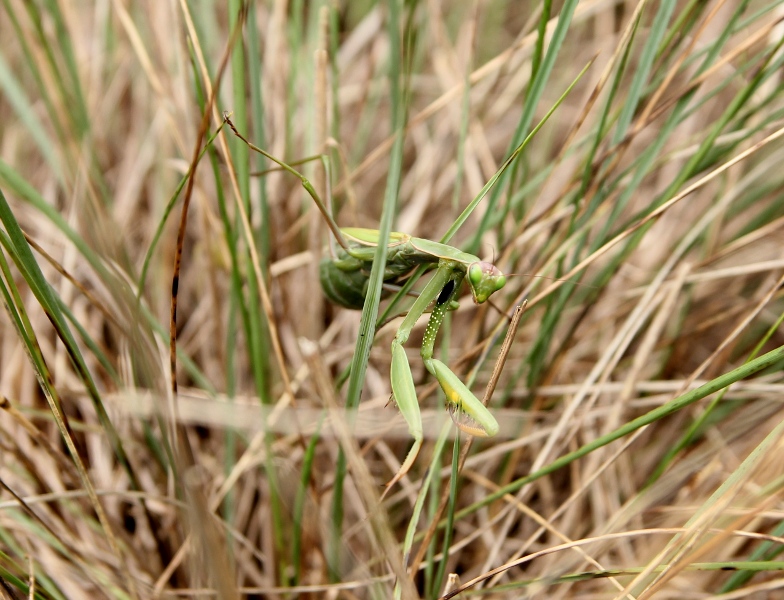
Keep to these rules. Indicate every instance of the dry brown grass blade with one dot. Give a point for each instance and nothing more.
(180, 435)
(362, 478)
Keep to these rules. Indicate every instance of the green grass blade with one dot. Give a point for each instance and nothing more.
(367, 325)
(773, 359)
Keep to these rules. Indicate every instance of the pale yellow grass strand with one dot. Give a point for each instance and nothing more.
(711, 509)
(658, 212)
(584, 11)
(546, 526)
(565, 429)
(635, 319)
(586, 541)
(361, 476)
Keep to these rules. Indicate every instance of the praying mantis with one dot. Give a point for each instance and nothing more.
(344, 280)
(340, 279)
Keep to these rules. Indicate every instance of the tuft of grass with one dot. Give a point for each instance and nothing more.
(623, 161)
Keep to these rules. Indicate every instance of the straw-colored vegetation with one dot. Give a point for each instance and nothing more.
(640, 408)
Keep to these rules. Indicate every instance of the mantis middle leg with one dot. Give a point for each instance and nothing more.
(443, 286)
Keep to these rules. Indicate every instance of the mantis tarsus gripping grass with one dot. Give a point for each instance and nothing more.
(344, 280)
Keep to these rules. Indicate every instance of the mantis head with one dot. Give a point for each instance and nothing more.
(485, 280)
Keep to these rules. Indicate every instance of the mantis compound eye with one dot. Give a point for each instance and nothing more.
(485, 280)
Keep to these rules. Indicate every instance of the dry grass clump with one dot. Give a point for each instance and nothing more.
(640, 405)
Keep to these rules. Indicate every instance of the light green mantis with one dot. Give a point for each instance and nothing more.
(344, 279)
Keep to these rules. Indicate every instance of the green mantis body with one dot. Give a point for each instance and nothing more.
(344, 281)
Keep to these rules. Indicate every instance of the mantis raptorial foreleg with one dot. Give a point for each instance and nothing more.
(460, 400)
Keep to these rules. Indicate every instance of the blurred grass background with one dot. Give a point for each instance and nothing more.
(641, 406)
